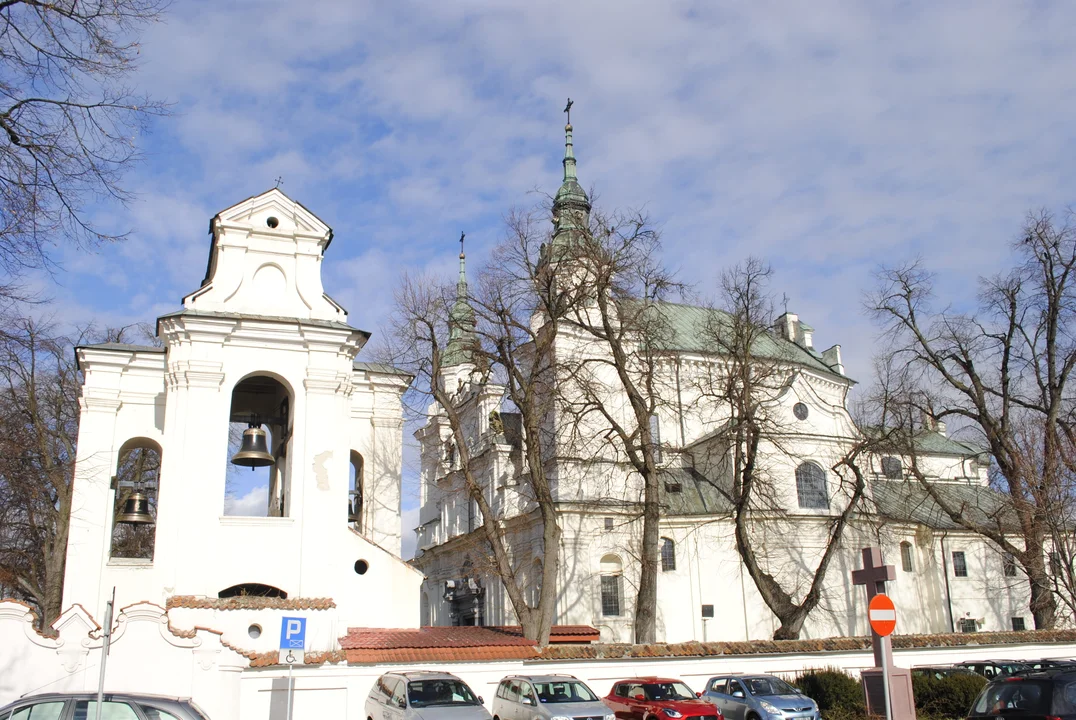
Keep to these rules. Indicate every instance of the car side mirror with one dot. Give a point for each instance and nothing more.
(402, 703)
(640, 696)
(698, 694)
(481, 700)
(738, 694)
(528, 701)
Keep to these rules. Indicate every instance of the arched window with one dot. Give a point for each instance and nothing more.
(891, 468)
(811, 486)
(138, 472)
(252, 590)
(611, 570)
(355, 491)
(259, 487)
(668, 554)
(534, 583)
(906, 563)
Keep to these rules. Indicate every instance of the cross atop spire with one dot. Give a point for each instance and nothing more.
(461, 320)
(569, 152)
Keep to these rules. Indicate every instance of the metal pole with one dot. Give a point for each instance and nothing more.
(291, 659)
(106, 640)
(885, 679)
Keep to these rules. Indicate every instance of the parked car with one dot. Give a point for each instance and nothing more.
(994, 668)
(1027, 695)
(1050, 662)
(759, 697)
(423, 695)
(543, 697)
(654, 698)
(939, 671)
(114, 706)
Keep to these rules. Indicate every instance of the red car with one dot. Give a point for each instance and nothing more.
(654, 698)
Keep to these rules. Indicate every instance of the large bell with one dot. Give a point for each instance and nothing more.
(136, 510)
(253, 452)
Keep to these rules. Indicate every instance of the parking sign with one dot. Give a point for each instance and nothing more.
(293, 633)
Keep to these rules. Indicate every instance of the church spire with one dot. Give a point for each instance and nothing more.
(461, 320)
(571, 206)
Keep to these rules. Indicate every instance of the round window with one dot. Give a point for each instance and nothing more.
(361, 566)
(272, 222)
(255, 631)
(800, 411)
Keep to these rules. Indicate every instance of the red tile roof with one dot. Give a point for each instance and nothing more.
(371, 645)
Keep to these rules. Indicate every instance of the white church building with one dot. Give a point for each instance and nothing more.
(248, 469)
(947, 579)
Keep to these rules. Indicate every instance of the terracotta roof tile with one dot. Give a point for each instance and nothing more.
(430, 637)
(249, 602)
(758, 647)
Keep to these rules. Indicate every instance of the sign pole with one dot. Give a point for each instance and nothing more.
(886, 650)
(105, 642)
(291, 661)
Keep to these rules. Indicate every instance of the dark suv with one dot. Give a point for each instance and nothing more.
(1049, 693)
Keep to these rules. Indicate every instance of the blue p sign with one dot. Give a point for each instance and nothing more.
(293, 633)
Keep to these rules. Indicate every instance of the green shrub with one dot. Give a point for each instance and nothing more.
(837, 694)
(949, 696)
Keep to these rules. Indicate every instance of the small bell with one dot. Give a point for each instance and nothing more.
(254, 451)
(135, 510)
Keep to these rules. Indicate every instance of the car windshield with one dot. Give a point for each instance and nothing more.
(564, 691)
(769, 686)
(1014, 697)
(668, 691)
(427, 693)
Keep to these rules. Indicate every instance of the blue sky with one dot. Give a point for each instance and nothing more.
(826, 137)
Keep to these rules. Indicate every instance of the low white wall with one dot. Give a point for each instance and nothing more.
(340, 691)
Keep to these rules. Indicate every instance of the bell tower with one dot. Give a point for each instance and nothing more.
(257, 372)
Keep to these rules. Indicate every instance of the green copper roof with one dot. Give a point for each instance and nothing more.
(571, 192)
(688, 332)
(935, 443)
(907, 501)
(461, 322)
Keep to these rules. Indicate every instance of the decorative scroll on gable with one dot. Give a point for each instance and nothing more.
(265, 259)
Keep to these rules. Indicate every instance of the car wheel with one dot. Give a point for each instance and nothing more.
(752, 716)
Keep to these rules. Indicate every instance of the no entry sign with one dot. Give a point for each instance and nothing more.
(882, 614)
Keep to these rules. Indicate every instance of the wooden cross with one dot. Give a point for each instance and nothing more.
(874, 576)
(568, 110)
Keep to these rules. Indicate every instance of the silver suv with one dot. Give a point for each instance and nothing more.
(423, 696)
(759, 697)
(83, 706)
(547, 697)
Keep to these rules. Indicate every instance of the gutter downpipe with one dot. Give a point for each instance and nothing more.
(948, 590)
(680, 404)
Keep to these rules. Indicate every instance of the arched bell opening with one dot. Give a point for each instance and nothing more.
(259, 434)
(136, 484)
(252, 590)
(356, 478)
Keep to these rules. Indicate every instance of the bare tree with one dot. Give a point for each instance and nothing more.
(39, 390)
(749, 455)
(67, 121)
(1002, 373)
(612, 384)
(435, 331)
(40, 386)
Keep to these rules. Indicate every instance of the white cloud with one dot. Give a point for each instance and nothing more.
(254, 503)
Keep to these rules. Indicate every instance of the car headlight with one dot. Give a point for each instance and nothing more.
(672, 713)
(560, 717)
(610, 716)
(770, 707)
